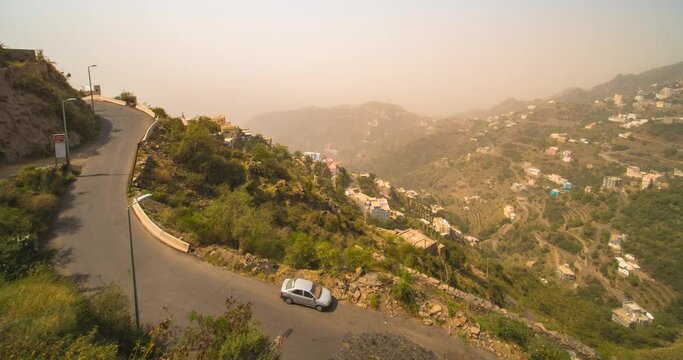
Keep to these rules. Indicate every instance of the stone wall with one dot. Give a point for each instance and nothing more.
(486, 305)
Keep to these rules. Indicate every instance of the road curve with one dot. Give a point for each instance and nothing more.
(91, 238)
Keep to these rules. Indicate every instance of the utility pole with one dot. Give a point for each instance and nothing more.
(92, 102)
(66, 134)
(132, 261)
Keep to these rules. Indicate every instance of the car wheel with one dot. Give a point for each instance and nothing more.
(319, 308)
(288, 300)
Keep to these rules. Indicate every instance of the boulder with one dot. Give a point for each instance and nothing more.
(459, 321)
(436, 309)
(474, 330)
(356, 295)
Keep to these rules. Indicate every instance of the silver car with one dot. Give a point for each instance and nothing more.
(305, 292)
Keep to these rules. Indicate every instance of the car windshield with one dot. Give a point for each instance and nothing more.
(316, 291)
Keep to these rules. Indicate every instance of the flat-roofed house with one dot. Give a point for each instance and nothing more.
(630, 314)
(566, 273)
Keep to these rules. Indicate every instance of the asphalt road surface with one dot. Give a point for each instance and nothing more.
(91, 235)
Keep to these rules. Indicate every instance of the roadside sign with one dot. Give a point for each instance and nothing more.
(60, 146)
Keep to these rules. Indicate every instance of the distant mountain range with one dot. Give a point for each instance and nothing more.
(348, 130)
(627, 85)
(361, 132)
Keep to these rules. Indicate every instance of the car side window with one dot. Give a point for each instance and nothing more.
(298, 292)
(308, 295)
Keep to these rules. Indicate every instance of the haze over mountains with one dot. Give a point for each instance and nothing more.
(346, 131)
(350, 132)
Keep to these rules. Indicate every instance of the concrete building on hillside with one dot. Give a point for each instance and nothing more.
(566, 273)
(631, 315)
(650, 180)
(567, 156)
(634, 172)
(611, 182)
(441, 226)
(532, 171)
(618, 100)
(616, 240)
(315, 156)
(384, 187)
(379, 208)
(557, 179)
(219, 120)
(421, 241)
(552, 151)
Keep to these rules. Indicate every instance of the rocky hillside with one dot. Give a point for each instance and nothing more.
(31, 90)
(351, 131)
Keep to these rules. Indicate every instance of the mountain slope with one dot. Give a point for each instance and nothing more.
(351, 130)
(31, 90)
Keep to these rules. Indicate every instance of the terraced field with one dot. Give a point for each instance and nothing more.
(483, 215)
(653, 296)
(580, 212)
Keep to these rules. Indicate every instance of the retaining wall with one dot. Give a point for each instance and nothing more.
(157, 232)
(142, 108)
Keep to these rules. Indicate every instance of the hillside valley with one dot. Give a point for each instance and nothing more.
(555, 186)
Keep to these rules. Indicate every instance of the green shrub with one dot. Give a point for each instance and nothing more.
(543, 349)
(404, 291)
(128, 97)
(301, 252)
(374, 301)
(44, 317)
(354, 257)
(18, 254)
(507, 329)
(232, 335)
(328, 255)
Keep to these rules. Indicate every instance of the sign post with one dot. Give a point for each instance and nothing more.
(60, 147)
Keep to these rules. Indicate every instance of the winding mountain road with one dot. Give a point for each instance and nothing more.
(91, 238)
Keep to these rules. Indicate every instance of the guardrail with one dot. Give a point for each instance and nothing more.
(159, 233)
(142, 108)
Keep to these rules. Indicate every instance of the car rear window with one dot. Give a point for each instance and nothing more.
(290, 284)
(316, 290)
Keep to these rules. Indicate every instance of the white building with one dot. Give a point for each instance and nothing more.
(630, 314)
(567, 156)
(441, 226)
(532, 171)
(379, 208)
(315, 156)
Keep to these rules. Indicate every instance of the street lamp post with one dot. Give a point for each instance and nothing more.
(132, 260)
(66, 133)
(92, 102)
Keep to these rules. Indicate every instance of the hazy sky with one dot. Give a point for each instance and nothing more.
(431, 57)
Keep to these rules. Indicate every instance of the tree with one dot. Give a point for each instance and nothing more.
(127, 96)
(670, 152)
(301, 253)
